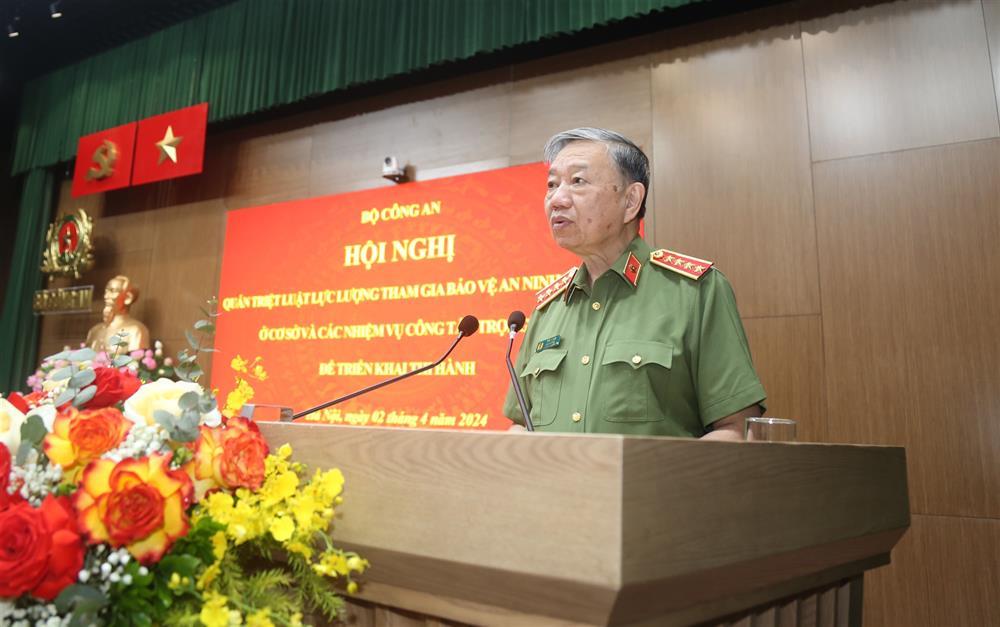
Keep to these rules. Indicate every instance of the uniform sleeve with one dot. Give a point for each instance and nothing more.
(725, 379)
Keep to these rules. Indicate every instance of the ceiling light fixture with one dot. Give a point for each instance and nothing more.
(54, 11)
(12, 31)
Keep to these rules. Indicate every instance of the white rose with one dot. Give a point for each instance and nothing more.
(163, 394)
(11, 420)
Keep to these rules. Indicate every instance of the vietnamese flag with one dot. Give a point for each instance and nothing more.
(104, 160)
(170, 145)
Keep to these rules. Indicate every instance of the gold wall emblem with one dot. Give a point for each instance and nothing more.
(69, 247)
(105, 157)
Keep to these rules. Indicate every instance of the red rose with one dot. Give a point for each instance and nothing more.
(41, 551)
(113, 386)
(241, 462)
(4, 476)
(133, 514)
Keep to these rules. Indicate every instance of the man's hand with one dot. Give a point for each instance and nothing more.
(731, 427)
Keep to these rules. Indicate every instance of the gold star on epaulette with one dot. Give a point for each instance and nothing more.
(691, 267)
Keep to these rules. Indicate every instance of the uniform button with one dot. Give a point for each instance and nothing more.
(537, 370)
(577, 416)
(636, 359)
(595, 305)
(585, 360)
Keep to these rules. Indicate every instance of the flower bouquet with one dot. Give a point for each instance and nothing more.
(147, 364)
(131, 503)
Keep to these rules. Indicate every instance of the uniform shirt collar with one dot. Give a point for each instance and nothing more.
(637, 251)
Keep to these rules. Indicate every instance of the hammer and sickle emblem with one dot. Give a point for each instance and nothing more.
(105, 158)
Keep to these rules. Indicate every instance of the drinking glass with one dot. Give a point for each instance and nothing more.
(766, 429)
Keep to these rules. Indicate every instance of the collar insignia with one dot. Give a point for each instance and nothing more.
(550, 291)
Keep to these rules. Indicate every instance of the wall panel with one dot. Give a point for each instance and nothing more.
(427, 128)
(909, 268)
(788, 354)
(732, 153)
(945, 571)
(898, 75)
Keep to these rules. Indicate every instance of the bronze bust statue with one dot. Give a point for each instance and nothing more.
(119, 294)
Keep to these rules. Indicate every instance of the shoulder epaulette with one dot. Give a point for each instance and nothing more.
(555, 288)
(691, 267)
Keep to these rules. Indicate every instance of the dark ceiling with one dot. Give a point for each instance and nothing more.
(85, 28)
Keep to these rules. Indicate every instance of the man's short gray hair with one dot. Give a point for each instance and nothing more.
(632, 162)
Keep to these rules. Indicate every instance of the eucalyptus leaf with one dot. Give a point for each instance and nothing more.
(191, 339)
(207, 403)
(65, 397)
(165, 419)
(62, 373)
(58, 356)
(205, 326)
(22, 452)
(84, 354)
(209, 350)
(80, 596)
(121, 360)
(82, 378)
(188, 400)
(33, 430)
(84, 395)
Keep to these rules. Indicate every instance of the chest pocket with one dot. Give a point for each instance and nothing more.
(544, 383)
(631, 371)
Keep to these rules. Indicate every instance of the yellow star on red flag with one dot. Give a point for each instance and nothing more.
(168, 146)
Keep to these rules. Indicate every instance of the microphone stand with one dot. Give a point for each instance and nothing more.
(517, 384)
(380, 384)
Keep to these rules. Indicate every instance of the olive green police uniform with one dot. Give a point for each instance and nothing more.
(655, 347)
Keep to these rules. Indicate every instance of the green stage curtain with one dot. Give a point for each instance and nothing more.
(18, 325)
(252, 55)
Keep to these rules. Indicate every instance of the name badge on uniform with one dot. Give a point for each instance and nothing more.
(552, 342)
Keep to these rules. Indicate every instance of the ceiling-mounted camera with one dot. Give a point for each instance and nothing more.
(393, 171)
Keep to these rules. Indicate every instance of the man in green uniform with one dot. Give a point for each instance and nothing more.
(634, 341)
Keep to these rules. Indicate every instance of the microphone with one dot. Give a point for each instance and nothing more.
(516, 322)
(467, 326)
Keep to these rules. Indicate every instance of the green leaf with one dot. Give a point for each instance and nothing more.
(208, 350)
(207, 403)
(22, 452)
(65, 397)
(58, 356)
(121, 360)
(33, 430)
(188, 400)
(191, 340)
(84, 354)
(82, 378)
(84, 395)
(205, 326)
(183, 565)
(80, 596)
(62, 373)
(165, 419)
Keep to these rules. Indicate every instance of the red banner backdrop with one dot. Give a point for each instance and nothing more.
(104, 160)
(170, 145)
(336, 293)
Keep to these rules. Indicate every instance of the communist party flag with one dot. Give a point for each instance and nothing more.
(170, 145)
(104, 160)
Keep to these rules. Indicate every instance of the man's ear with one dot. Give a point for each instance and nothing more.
(128, 297)
(634, 194)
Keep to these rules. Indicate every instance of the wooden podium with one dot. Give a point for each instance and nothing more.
(557, 529)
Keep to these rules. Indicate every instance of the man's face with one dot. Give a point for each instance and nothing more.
(585, 201)
(114, 296)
